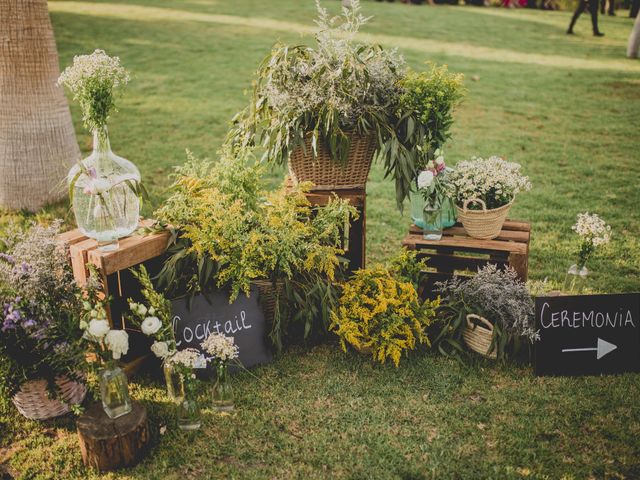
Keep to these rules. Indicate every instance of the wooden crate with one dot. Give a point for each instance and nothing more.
(458, 253)
(356, 243)
(134, 250)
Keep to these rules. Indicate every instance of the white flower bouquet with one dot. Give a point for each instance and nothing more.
(484, 191)
(593, 233)
(221, 348)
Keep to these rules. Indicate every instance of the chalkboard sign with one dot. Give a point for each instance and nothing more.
(243, 320)
(588, 334)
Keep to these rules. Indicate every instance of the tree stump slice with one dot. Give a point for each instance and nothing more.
(109, 444)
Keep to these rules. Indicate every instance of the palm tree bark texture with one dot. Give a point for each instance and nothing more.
(37, 140)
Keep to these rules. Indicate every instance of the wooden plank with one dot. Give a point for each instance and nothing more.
(505, 235)
(520, 263)
(71, 237)
(79, 254)
(451, 263)
(133, 251)
(414, 242)
(355, 197)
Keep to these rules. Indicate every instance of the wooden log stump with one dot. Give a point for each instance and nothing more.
(109, 444)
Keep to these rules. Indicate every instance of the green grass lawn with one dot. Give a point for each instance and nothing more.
(566, 108)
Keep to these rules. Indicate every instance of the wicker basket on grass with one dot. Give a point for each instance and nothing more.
(478, 334)
(268, 293)
(327, 173)
(482, 224)
(34, 400)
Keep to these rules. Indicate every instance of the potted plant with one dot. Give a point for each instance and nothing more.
(184, 363)
(492, 313)
(40, 353)
(425, 113)
(104, 189)
(593, 233)
(232, 233)
(379, 312)
(222, 351)
(485, 190)
(326, 109)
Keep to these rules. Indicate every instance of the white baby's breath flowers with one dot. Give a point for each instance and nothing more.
(97, 65)
(117, 341)
(220, 347)
(150, 325)
(592, 229)
(493, 180)
(189, 357)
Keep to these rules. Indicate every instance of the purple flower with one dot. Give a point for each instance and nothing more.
(7, 258)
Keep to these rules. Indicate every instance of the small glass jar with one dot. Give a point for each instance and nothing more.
(432, 221)
(189, 413)
(576, 279)
(114, 391)
(448, 212)
(175, 385)
(222, 390)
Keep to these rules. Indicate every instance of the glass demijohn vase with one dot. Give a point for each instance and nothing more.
(575, 279)
(114, 391)
(222, 390)
(432, 229)
(105, 204)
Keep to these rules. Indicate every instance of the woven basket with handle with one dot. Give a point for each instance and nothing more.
(268, 292)
(482, 224)
(328, 174)
(34, 401)
(478, 334)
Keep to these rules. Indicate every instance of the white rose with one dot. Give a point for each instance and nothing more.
(425, 178)
(160, 349)
(150, 325)
(118, 342)
(98, 328)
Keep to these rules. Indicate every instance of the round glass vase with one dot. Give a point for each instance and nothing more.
(114, 391)
(189, 417)
(222, 390)
(576, 279)
(417, 204)
(103, 186)
(175, 385)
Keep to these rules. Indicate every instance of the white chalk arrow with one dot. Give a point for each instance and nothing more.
(603, 348)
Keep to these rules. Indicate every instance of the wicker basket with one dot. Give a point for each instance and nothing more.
(268, 296)
(326, 173)
(478, 336)
(33, 400)
(483, 224)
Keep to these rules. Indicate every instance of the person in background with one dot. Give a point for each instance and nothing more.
(593, 9)
(634, 39)
(612, 7)
(635, 6)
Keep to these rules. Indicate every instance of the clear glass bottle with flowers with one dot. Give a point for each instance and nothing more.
(432, 203)
(221, 350)
(105, 190)
(593, 233)
(108, 346)
(184, 363)
(155, 320)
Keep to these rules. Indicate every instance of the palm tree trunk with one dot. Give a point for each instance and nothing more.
(37, 140)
